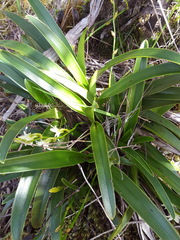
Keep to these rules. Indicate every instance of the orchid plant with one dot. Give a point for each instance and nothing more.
(120, 126)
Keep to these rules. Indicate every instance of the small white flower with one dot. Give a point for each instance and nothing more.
(27, 137)
(57, 131)
(44, 144)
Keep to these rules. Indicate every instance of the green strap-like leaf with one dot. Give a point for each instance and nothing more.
(43, 14)
(38, 94)
(123, 222)
(175, 198)
(147, 53)
(100, 152)
(16, 76)
(7, 177)
(135, 78)
(42, 195)
(28, 28)
(81, 52)
(38, 77)
(22, 201)
(135, 94)
(172, 93)
(16, 128)
(56, 214)
(154, 181)
(163, 133)
(152, 103)
(38, 161)
(161, 84)
(42, 61)
(11, 86)
(158, 156)
(162, 167)
(63, 52)
(162, 121)
(138, 160)
(138, 200)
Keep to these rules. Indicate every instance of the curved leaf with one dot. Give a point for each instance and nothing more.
(135, 78)
(163, 133)
(147, 53)
(162, 121)
(42, 195)
(37, 94)
(152, 103)
(103, 168)
(172, 93)
(62, 50)
(44, 15)
(11, 86)
(153, 181)
(22, 201)
(46, 160)
(135, 95)
(138, 200)
(81, 52)
(38, 77)
(16, 76)
(39, 58)
(29, 28)
(16, 128)
(161, 84)
(138, 160)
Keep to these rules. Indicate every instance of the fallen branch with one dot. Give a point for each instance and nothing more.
(16, 101)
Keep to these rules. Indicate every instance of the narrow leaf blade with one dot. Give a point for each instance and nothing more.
(103, 168)
(22, 201)
(137, 199)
